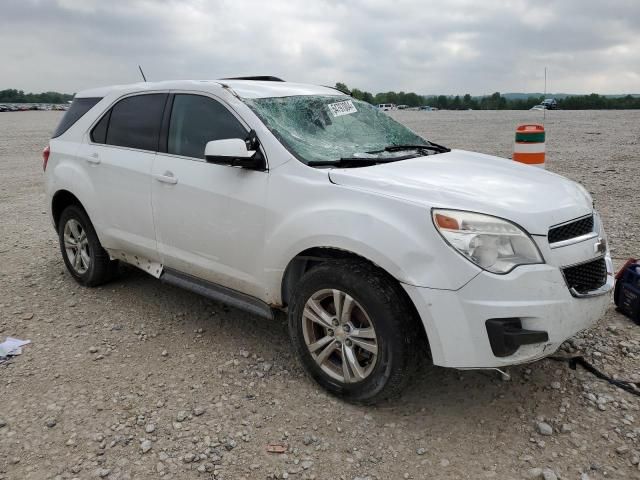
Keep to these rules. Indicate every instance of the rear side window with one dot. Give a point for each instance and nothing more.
(196, 120)
(78, 108)
(133, 122)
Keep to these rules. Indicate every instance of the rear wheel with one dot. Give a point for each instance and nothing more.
(83, 255)
(354, 331)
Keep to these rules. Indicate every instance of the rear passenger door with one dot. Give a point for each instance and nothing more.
(209, 218)
(119, 154)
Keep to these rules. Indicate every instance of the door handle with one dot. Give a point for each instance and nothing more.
(167, 177)
(93, 158)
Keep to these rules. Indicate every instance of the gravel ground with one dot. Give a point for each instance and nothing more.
(141, 380)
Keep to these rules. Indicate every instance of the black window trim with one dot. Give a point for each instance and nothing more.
(164, 128)
(164, 124)
(163, 138)
(102, 116)
(107, 111)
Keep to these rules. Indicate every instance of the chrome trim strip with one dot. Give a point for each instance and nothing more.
(571, 241)
(572, 220)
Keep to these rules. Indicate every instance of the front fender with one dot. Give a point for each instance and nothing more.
(394, 234)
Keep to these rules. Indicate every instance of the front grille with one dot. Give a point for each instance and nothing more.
(587, 276)
(571, 230)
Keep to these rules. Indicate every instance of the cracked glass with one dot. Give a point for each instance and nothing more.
(319, 128)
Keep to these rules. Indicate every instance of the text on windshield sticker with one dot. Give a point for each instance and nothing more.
(342, 108)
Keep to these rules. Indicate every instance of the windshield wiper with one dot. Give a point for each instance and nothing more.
(349, 162)
(434, 147)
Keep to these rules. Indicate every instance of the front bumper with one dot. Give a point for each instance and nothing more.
(537, 295)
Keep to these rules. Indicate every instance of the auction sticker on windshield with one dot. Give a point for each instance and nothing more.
(342, 108)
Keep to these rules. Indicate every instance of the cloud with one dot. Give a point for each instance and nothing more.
(438, 46)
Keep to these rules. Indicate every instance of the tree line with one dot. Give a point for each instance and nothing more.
(495, 101)
(12, 95)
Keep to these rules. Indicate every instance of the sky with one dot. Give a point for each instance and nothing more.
(425, 46)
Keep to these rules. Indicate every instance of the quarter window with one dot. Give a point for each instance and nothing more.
(196, 120)
(134, 122)
(78, 108)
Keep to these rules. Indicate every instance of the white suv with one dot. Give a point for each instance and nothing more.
(379, 244)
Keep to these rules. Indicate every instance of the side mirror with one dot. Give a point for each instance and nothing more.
(235, 153)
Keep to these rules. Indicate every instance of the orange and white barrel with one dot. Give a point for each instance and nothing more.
(529, 146)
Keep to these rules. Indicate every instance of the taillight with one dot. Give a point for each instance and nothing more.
(45, 157)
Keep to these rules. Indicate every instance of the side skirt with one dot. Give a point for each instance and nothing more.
(217, 292)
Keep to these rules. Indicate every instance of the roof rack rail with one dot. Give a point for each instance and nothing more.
(264, 78)
(348, 92)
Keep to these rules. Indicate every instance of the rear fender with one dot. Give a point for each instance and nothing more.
(65, 172)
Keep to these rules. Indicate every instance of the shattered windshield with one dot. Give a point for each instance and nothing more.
(329, 128)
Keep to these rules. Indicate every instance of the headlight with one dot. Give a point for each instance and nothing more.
(491, 243)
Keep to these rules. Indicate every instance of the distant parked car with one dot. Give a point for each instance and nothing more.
(538, 107)
(550, 103)
(386, 106)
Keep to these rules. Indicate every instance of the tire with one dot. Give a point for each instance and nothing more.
(377, 301)
(93, 266)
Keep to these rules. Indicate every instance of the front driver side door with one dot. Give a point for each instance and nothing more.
(209, 219)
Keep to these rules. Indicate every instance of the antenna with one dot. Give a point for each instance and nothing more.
(544, 113)
(145, 78)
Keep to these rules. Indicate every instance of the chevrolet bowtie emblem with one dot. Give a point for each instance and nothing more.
(600, 246)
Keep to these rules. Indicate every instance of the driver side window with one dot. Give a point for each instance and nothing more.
(196, 120)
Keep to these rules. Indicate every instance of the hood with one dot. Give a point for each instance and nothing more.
(529, 196)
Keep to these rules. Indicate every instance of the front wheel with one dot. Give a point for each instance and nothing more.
(354, 331)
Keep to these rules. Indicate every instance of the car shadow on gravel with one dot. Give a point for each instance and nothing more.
(434, 394)
(195, 312)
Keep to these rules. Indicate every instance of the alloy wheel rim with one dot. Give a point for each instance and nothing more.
(339, 335)
(76, 245)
